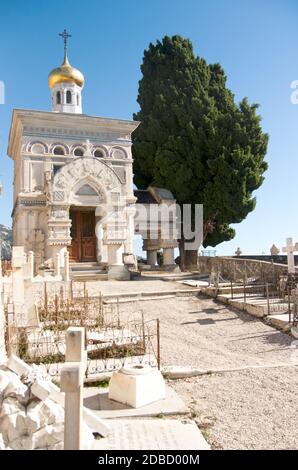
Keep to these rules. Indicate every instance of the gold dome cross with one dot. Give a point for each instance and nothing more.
(65, 35)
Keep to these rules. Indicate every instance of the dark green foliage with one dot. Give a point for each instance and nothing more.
(194, 139)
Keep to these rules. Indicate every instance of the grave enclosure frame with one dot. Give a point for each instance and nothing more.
(112, 341)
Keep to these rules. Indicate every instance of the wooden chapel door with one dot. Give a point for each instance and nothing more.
(83, 244)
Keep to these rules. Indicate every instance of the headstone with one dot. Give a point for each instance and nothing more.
(18, 285)
(290, 249)
(24, 308)
(153, 434)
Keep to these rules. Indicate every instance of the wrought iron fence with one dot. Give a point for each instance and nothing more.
(108, 348)
(112, 339)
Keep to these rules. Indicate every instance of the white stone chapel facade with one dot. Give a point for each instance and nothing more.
(73, 179)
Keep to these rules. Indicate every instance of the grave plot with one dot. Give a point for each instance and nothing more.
(111, 340)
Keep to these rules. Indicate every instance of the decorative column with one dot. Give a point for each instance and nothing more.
(168, 247)
(152, 258)
(130, 215)
(116, 268)
(151, 247)
(168, 257)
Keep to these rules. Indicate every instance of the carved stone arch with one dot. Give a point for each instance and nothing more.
(37, 142)
(81, 169)
(118, 150)
(76, 147)
(94, 184)
(102, 149)
(59, 144)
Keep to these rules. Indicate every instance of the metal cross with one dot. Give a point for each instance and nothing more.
(65, 35)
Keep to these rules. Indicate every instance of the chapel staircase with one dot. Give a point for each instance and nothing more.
(88, 272)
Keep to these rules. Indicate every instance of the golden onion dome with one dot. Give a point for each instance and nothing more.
(65, 73)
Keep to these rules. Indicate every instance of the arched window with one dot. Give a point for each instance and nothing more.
(78, 100)
(58, 97)
(79, 152)
(99, 153)
(59, 151)
(68, 97)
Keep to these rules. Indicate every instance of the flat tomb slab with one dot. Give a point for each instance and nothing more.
(98, 401)
(152, 434)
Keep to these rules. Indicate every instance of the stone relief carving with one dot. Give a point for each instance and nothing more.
(58, 195)
(118, 152)
(71, 173)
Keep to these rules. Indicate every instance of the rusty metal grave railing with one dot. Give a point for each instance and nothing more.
(111, 341)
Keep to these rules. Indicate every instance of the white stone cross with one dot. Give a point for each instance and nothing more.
(72, 382)
(290, 249)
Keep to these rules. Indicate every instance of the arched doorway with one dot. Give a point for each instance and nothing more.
(83, 246)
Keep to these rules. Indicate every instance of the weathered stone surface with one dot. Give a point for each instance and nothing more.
(4, 381)
(52, 412)
(10, 405)
(39, 424)
(17, 389)
(48, 436)
(2, 443)
(13, 426)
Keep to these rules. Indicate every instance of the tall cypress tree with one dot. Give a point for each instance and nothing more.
(195, 140)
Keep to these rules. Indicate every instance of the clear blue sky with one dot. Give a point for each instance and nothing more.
(256, 41)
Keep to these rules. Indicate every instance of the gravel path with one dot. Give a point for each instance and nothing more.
(247, 409)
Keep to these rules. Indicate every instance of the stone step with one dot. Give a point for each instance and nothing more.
(81, 277)
(84, 266)
(94, 270)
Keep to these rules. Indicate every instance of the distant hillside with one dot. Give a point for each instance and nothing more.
(5, 241)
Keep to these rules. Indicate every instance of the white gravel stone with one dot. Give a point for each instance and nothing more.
(245, 409)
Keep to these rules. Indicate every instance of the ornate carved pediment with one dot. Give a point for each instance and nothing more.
(83, 168)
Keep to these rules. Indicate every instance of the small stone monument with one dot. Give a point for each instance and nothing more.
(238, 252)
(274, 250)
(137, 385)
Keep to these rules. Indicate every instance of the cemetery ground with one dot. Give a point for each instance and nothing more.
(252, 407)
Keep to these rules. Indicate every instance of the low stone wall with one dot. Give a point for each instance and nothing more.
(279, 259)
(237, 269)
